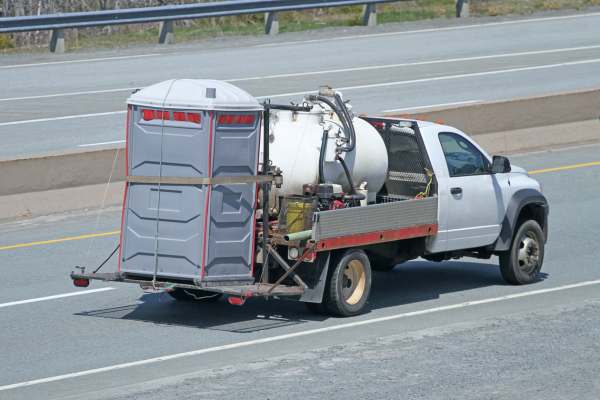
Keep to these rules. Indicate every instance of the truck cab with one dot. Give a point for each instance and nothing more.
(483, 201)
(475, 191)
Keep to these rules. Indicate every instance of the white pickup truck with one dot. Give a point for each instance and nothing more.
(335, 196)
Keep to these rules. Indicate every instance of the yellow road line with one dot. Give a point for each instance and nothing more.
(60, 240)
(112, 233)
(565, 168)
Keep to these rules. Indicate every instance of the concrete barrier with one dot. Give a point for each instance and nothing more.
(514, 114)
(61, 170)
(500, 127)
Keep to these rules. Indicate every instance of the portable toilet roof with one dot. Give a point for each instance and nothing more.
(195, 94)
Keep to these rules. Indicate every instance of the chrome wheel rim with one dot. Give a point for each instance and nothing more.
(354, 282)
(528, 255)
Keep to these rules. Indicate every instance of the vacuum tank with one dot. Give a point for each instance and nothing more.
(308, 146)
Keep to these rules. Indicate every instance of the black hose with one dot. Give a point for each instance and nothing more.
(107, 258)
(322, 156)
(336, 109)
(352, 132)
(347, 172)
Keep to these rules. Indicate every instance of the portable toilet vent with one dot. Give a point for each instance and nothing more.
(189, 207)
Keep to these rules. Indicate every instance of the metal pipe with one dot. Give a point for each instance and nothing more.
(302, 235)
(265, 192)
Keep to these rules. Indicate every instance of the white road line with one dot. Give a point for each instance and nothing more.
(346, 88)
(79, 61)
(46, 96)
(417, 63)
(333, 71)
(456, 103)
(293, 335)
(443, 78)
(449, 28)
(100, 143)
(32, 121)
(56, 296)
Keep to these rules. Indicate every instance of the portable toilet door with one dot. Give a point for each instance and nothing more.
(183, 137)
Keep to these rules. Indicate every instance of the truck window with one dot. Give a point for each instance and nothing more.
(462, 157)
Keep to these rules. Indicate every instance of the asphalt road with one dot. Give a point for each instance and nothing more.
(432, 330)
(51, 103)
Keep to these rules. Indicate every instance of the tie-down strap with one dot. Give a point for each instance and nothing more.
(181, 180)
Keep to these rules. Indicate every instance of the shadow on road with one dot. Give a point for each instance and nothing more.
(408, 283)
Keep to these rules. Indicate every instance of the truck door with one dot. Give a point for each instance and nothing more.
(474, 205)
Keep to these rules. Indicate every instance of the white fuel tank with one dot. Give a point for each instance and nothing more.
(295, 145)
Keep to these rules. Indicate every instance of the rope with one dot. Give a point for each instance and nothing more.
(425, 193)
(103, 204)
(160, 173)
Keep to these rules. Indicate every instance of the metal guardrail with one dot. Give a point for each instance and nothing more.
(167, 14)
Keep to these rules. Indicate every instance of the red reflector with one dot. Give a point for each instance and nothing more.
(237, 119)
(236, 301)
(193, 117)
(149, 115)
(81, 282)
(378, 124)
(178, 116)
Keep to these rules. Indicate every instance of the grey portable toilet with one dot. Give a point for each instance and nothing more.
(182, 135)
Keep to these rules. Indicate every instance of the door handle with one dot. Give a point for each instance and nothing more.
(456, 190)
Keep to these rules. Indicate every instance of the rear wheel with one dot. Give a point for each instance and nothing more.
(349, 284)
(195, 295)
(523, 261)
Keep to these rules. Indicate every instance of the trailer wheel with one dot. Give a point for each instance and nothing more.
(194, 295)
(349, 284)
(523, 261)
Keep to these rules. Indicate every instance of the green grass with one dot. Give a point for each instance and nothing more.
(186, 31)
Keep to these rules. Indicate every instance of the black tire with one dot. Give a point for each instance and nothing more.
(522, 263)
(195, 295)
(349, 284)
(381, 264)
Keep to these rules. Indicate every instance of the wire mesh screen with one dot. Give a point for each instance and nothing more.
(407, 176)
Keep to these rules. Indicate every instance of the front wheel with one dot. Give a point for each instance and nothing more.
(349, 284)
(522, 263)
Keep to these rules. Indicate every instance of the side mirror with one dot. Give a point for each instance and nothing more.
(500, 165)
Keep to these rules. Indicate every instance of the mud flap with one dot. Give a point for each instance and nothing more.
(314, 294)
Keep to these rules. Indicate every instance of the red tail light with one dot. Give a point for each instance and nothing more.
(237, 119)
(81, 282)
(236, 301)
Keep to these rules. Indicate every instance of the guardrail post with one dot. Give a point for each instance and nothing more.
(271, 23)
(57, 41)
(166, 35)
(462, 8)
(370, 15)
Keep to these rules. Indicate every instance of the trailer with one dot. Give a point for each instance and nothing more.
(228, 196)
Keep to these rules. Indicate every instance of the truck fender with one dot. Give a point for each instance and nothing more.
(520, 199)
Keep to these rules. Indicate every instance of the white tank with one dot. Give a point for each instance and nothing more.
(295, 144)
